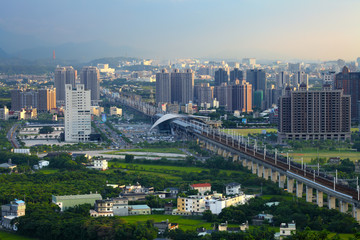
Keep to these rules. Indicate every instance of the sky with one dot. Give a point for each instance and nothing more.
(264, 29)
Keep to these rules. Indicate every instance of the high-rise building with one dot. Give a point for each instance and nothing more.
(315, 115)
(242, 96)
(175, 87)
(222, 93)
(47, 99)
(329, 78)
(90, 77)
(203, 93)
(249, 61)
(299, 78)
(272, 96)
(350, 83)
(77, 113)
(42, 99)
(236, 74)
(257, 78)
(294, 67)
(187, 86)
(16, 102)
(282, 80)
(163, 87)
(237, 96)
(64, 75)
(4, 113)
(221, 76)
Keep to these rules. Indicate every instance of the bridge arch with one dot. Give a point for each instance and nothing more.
(172, 116)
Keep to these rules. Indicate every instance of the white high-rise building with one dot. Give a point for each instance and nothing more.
(77, 114)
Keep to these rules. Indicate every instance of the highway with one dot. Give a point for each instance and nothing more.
(11, 136)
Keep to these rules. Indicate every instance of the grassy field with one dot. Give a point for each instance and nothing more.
(153, 150)
(185, 223)
(12, 236)
(161, 168)
(307, 155)
(48, 171)
(247, 131)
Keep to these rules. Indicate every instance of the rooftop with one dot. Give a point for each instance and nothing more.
(201, 185)
(233, 184)
(70, 197)
(7, 165)
(139, 207)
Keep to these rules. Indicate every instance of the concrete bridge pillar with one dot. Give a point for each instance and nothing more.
(250, 165)
(224, 153)
(299, 189)
(220, 151)
(290, 185)
(244, 162)
(260, 171)
(309, 194)
(344, 206)
(356, 213)
(282, 179)
(331, 202)
(319, 198)
(274, 176)
(267, 173)
(235, 158)
(208, 146)
(254, 168)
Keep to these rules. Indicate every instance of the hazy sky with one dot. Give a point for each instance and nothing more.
(275, 29)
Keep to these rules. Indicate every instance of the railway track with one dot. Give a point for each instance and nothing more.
(282, 164)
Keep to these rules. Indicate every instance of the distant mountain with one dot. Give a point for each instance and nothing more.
(76, 51)
(31, 48)
(12, 42)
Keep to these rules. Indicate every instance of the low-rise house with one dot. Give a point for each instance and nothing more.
(68, 201)
(168, 208)
(201, 187)
(22, 151)
(139, 210)
(286, 229)
(103, 208)
(173, 192)
(165, 225)
(137, 189)
(75, 155)
(8, 165)
(260, 218)
(11, 211)
(100, 164)
(136, 192)
(134, 196)
(233, 188)
(197, 204)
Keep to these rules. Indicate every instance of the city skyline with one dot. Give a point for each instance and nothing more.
(307, 30)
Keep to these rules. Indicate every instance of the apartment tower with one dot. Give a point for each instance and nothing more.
(90, 78)
(77, 113)
(314, 115)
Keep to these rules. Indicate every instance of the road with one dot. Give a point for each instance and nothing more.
(116, 139)
(141, 155)
(11, 136)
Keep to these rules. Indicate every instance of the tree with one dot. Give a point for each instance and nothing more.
(46, 130)
(129, 158)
